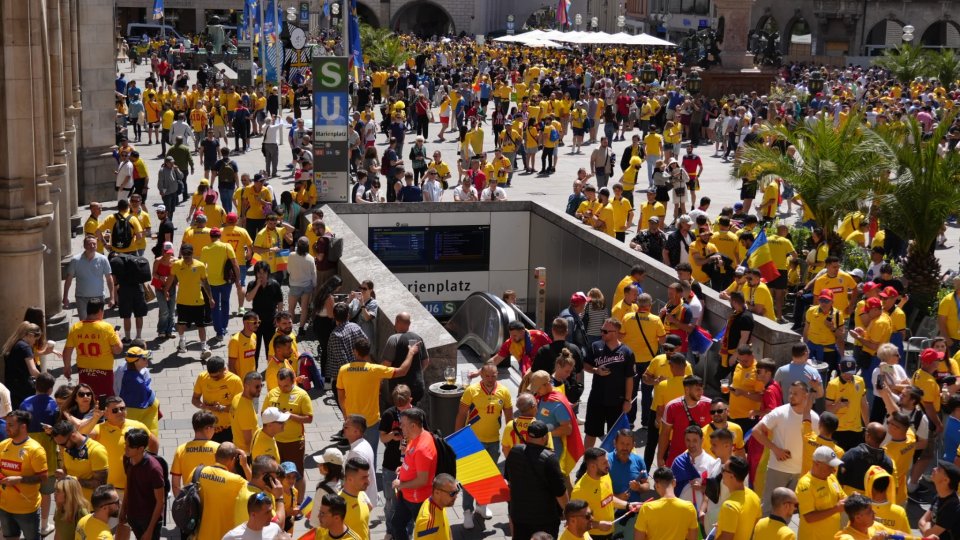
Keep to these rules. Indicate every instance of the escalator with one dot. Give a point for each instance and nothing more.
(480, 326)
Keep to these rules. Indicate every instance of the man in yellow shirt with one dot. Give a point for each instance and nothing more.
(481, 407)
(293, 400)
(23, 466)
(83, 458)
(214, 391)
(199, 452)
(243, 413)
(826, 427)
(741, 511)
(702, 255)
(92, 224)
(820, 496)
(879, 486)
(622, 212)
(758, 296)
(431, 522)
(846, 397)
(776, 525)
(218, 256)
(269, 242)
(358, 386)
(824, 330)
(596, 488)
(356, 479)
(900, 446)
(125, 229)
(254, 199)
(652, 208)
(192, 307)
(604, 220)
(668, 517)
(842, 285)
(877, 332)
(862, 519)
(643, 332)
(264, 440)
(105, 502)
(239, 239)
(219, 487)
(242, 349)
(110, 434)
(948, 317)
(653, 149)
(746, 391)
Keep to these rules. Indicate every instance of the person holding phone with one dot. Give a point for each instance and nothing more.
(264, 479)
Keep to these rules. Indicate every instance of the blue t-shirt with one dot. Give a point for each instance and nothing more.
(790, 373)
(622, 473)
(951, 439)
(43, 410)
(553, 413)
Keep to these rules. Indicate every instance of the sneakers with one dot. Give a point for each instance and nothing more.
(182, 346)
(205, 353)
(484, 512)
(468, 520)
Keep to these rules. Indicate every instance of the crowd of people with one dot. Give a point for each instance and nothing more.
(844, 440)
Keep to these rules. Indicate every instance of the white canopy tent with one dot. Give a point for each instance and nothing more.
(535, 38)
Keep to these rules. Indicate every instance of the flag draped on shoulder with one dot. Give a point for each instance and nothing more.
(759, 257)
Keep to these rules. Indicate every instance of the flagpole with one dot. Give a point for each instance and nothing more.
(276, 43)
(263, 54)
(346, 28)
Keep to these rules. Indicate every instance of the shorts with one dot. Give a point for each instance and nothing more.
(531, 149)
(781, 282)
(601, 418)
(930, 452)
(153, 125)
(297, 292)
(578, 132)
(219, 132)
(294, 452)
(693, 184)
(14, 525)
(621, 117)
(444, 120)
(130, 301)
(101, 381)
(195, 315)
(748, 192)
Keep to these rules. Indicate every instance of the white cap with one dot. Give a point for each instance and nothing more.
(331, 456)
(273, 414)
(825, 454)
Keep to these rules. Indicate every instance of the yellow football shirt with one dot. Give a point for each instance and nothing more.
(243, 351)
(852, 391)
(485, 410)
(599, 496)
(189, 278)
(815, 494)
(243, 417)
(263, 444)
(220, 392)
(739, 514)
(25, 459)
(431, 522)
(93, 342)
(216, 256)
(668, 518)
(296, 401)
(96, 460)
(111, 437)
(91, 528)
(360, 381)
(192, 454)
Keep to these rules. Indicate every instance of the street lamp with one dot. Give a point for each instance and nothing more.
(621, 22)
(594, 23)
(694, 82)
(647, 73)
(908, 33)
(815, 83)
(578, 19)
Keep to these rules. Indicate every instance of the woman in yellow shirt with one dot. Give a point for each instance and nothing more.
(531, 144)
(672, 132)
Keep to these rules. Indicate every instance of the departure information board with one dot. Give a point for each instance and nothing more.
(432, 249)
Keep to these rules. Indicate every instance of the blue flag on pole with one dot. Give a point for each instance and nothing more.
(272, 26)
(622, 423)
(326, 8)
(157, 10)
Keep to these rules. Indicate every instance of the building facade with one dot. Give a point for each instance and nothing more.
(854, 28)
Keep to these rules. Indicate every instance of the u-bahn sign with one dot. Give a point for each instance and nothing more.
(331, 122)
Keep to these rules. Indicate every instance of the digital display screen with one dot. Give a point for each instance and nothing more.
(432, 249)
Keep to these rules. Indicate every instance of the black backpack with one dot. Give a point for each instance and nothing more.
(138, 269)
(121, 236)
(446, 457)
(187, 507)
(335, 251)
(227, 174)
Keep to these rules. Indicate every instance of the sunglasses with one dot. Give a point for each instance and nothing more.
(825, 301)
(605, 332)
(116, 410)
(718, 411)
(85, 394)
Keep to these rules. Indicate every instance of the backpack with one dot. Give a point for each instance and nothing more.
(227, 174)
(446, 457)
(335, 251)
(187, 507)
(121, 236)
(229, 275)
(138, 269)
(554, 135)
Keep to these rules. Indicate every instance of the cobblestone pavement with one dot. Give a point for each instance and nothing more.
(174, 374)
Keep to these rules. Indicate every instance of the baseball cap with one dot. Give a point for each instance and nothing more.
(215, 231)
(273, 414)
(826, 294)
(930, 355)
(857, 273)
(825, 454)
(134, 353)
(686, 219)
(168, 252)
(287, 467)
(872, 303)
(739, 271)
(652, 190)
(889, 292)
(738, 206)
(204, 182)
(870, 286)
(848, 365)
(161, 208)
(951, 470)
(537, 429)
(168, 245)
(578, 298)
(168, 159)
(331, 456)
(232, 217)
(653, 219)
(673, 340)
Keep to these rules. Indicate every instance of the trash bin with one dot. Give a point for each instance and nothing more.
(444, 404)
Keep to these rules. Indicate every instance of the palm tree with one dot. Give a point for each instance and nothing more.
(944, 65)
(382, 47)
(921, 192)
(827, 160)
(905, 62)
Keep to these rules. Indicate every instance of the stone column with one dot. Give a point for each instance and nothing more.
(25, 210)
(71, 101)
(95, 30)
(736, 17)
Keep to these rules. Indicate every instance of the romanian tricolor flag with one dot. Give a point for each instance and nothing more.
(282, 257)
(573, 448)
(476, 470)
(758, 256)
(307, 506)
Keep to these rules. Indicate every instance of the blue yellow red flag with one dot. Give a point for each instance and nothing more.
(758, 256)
(476, 471)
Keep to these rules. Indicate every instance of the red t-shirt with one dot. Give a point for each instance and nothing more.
(537, 339)
(421, 456)
(772, 396)
(675, 416)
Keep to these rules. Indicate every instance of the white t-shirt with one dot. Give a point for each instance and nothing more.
(786, 431)
(696, 310)
(713, 508)
(703, 463)
(361, 448)
(241, 532)
(892, 374)
(493, 194)
(470, 194)
(303, 271)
